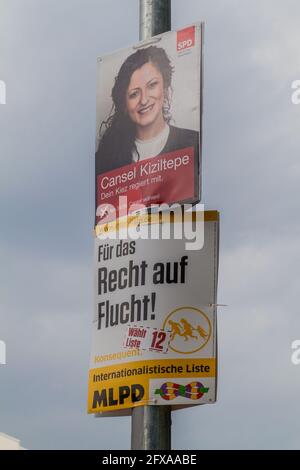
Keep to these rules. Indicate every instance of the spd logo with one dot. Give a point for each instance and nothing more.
(185, 38)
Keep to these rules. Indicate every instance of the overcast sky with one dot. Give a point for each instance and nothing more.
(251, 174)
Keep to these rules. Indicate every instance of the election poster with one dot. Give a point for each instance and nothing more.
(154, 324)
(148, 123)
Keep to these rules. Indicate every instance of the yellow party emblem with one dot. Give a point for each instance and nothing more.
(190, 330)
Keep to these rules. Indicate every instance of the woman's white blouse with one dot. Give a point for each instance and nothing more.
(152, 147)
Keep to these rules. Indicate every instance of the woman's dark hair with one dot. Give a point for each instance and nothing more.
(118, 140)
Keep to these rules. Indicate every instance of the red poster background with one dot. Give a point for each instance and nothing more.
(164, 185)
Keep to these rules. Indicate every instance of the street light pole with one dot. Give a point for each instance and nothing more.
(155, 17)
(150, 424)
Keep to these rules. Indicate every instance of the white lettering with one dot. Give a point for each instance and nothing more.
(296, 354)
(296, 94)
(2, 92)
(2, 353)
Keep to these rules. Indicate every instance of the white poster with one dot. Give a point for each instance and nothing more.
(149, 105)
(154, 326)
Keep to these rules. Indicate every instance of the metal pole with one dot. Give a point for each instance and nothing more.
(151, 425)
(151, 428)
(155, 17)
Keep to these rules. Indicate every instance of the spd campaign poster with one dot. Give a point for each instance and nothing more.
(154, 325)
(148, 123)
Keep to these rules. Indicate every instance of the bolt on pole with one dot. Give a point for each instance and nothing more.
(151, 425)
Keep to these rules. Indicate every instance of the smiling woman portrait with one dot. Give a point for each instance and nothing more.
(138, 126)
